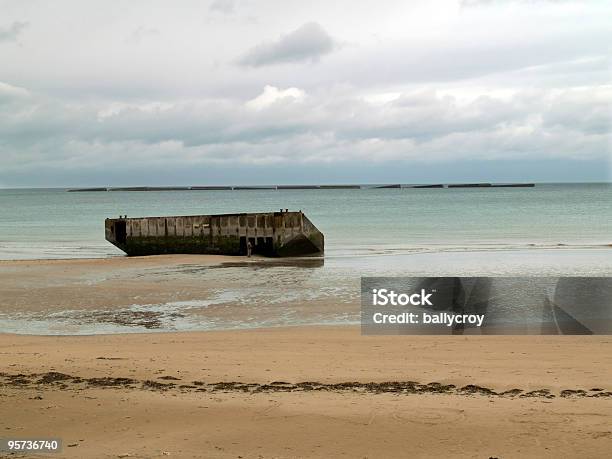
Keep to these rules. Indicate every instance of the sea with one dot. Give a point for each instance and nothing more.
(548, 230)
(54, 223)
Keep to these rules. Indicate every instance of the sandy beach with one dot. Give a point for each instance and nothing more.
(287, 391)
(309, 392)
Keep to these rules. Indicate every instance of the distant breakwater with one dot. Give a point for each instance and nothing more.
(303, 187)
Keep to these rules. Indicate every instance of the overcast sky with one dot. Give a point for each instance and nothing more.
(335, 91)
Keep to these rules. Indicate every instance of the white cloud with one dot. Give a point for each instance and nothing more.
(223, 6)
(472, 3)
(10, 91)
(272, 95)
(141, 33)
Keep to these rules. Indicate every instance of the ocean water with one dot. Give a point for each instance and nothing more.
(52, 223)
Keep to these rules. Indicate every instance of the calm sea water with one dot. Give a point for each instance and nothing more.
(52, 223)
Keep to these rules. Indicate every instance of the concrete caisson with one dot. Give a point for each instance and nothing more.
(274, 234)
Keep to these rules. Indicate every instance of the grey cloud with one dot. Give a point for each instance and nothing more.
(308, 42)
(141, 33)
(542, 73)
(329, 128)
(223, 6)
(523, 48)
(12, 32)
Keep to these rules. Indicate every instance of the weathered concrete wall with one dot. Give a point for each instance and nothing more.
(272, 234)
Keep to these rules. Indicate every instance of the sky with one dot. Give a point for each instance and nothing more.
(115, 93)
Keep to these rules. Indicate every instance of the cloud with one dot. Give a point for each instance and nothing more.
(272, 95)
(470, 3)
(386, 49)
(307, 43)
(141, 33)
(223, 6)
(286, 126)
(12, 32)
(10, 92)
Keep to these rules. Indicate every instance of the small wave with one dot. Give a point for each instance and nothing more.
(435, 248)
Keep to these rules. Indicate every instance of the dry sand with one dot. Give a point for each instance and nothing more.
(287, 391)
(296, 392)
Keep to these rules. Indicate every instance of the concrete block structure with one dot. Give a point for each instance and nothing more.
(274, 234)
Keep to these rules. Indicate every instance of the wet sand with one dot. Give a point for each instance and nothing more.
(170, 293)
(203, 292)
(109, 283)
(310, 391)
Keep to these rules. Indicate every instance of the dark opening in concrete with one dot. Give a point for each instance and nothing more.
(120, 231)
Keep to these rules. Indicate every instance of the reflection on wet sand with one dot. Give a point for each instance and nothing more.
(168, 293)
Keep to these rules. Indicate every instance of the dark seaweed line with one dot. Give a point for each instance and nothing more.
(65, 381)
